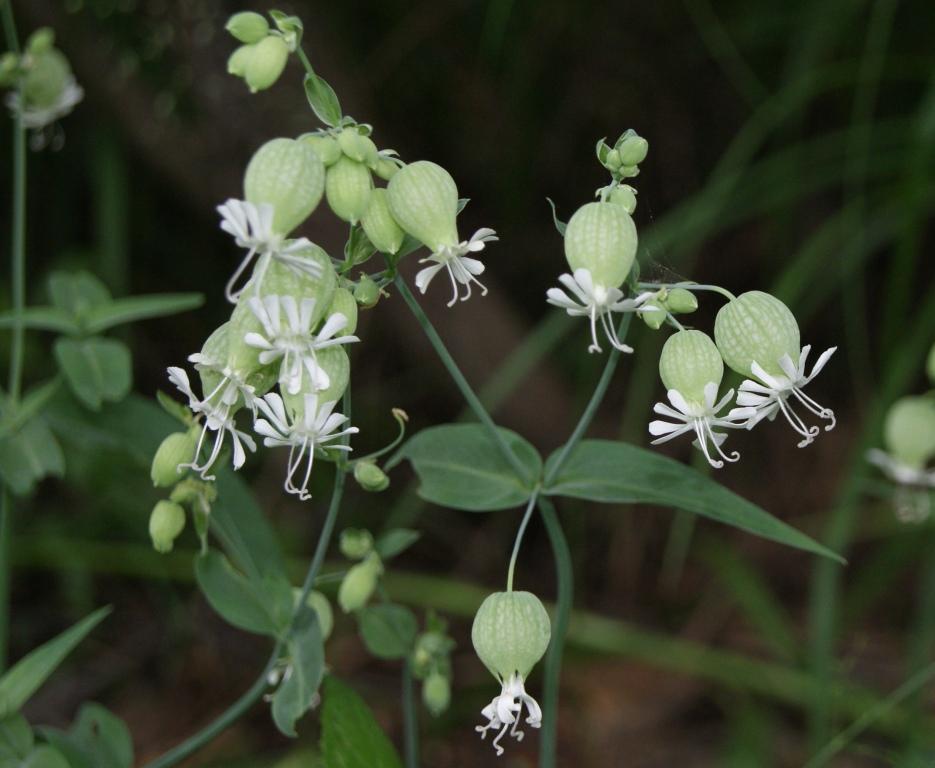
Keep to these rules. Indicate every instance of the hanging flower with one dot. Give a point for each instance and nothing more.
(287, 336)
(505, 711)
(462, 270)
(598, 303)
(311, 426)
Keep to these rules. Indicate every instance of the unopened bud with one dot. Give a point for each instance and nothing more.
(266, 63)
(248, 27)
(325, 146)
(623, 195)
(367, 292)
(681, 301)
(653, 314)
(40, 41)
(166, 522)
(356, 543)
(633, 150)
(379, 224)
(359, 584)
(385, 168)
(176, 449)
(436, 693)
(348, 186)
(370, 477)
(357, 146)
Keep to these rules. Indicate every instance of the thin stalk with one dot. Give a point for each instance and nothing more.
(519, 539)
(410, 719)
(689, 286)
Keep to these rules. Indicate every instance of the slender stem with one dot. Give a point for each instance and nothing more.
(448, 361)
(519, 539)
(689, 286)
(410, 718)
(552, 669)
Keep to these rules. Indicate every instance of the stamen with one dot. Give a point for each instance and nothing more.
(733, 457)
(698, 425)
(819, 410)
(229, 292)
(496, 741)
(797, 424)
(595, 347)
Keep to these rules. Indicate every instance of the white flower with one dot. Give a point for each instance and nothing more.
(217, 408)
(461, 270)
(506, 710)
(585, 299)
(700, 418)
(290, 339)
(302, 436)
(900, 472)
(40, 117)
(771, 394)
(251, 226)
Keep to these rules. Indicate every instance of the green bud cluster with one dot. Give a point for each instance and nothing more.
(668, 301)
(623, 159)
(263, 55)
(431, 663)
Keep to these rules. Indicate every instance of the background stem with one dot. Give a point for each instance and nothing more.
(410, 718)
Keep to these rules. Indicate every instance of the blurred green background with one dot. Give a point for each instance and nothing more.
(792, 149)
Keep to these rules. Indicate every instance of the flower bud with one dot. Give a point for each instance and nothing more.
(601, 238)
(348, 187)
(380, 225)
(612, 160)
(239, 60)
(322, 607)
(359, 584)
(511, 633)
(367, 292)
(288, 175)
(345, 304)
(681, 301)
(436, 693)
(357, 147)
(177, 448)
(623, 195)
(40, 41)
(655, 317)
(423, 198)
(356, 543)
(633, 149)
(370, 477)
(688, 362)
(247, 27)
(325, 146)
(909, 430)
(756, 327)
(266, 63)
(166, 522)
(385, 168)
(45, 79)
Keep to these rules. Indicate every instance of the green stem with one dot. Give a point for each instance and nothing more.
(690, 287)
(18, 280)
(410, 719)
(519, 539)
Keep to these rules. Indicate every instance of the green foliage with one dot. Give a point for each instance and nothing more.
(388, 630)
(29, 454)
(302, 678)
(96, 369)
(395, 541)
(16, 741)
(350, 736)
(323, 100)
(97, 739)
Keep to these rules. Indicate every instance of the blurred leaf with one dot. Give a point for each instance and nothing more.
(323, 100)
(16, 741)
(25, 677)
(296, 693)
(29, 454)
(98, 739)
(44, 757)
(251, 606)
(350, 736)
(174, 408)
(41, 319)
(395, 541)
(135, 308)
(77, 292)
(388, 631)
(602, 470)
(461, 467)
(96, 369)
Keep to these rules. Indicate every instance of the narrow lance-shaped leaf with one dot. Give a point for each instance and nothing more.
(323, 100)
(134, 308)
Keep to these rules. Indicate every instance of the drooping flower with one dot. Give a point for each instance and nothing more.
(691, 369)
(758, 336)
(423, 199)
(511, 632)
(287, 336)
(46, 89)
(909, 439)
(309, 427)
(598, 303)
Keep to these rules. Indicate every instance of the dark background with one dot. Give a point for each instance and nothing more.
(791, 149)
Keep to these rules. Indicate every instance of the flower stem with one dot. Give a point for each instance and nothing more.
(689, 286)
(519, 539)
(410, 718)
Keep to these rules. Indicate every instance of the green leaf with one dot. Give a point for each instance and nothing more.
(22, 680)
(560, 225)
(350, 736)
(77, 292)
(323, 100)
(461, 467)
(97, 739)
(45, 757)
(252, 606)
(96, 369)
(29, 454)
(606, 471)
(174, 408)
(134, 308)
(16, 741)
(388, 631)
(395, 541)
(296, 692)
(42, 319)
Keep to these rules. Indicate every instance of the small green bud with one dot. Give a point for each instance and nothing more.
(681, 301)
(166, 522)
(385, 168)
(288, 175)
(380, 225)
(909, 430)
(266, 63)
(45, 80)
(370, 477)
(359, 584)
(357, 147)
(756, 327)
(248, 27)
(325, 146)
(633, 150)
(624, 195)
(176, 449)
(348, 187)
(344, 303)
(423, 198)
(601, 237)
(322, 607)
(356, 543)
(40, 41)
(436, 693)
(655, 317)
(612, 160)
(689, 361)
(511, 632)
(367, 292)
(239, 60)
